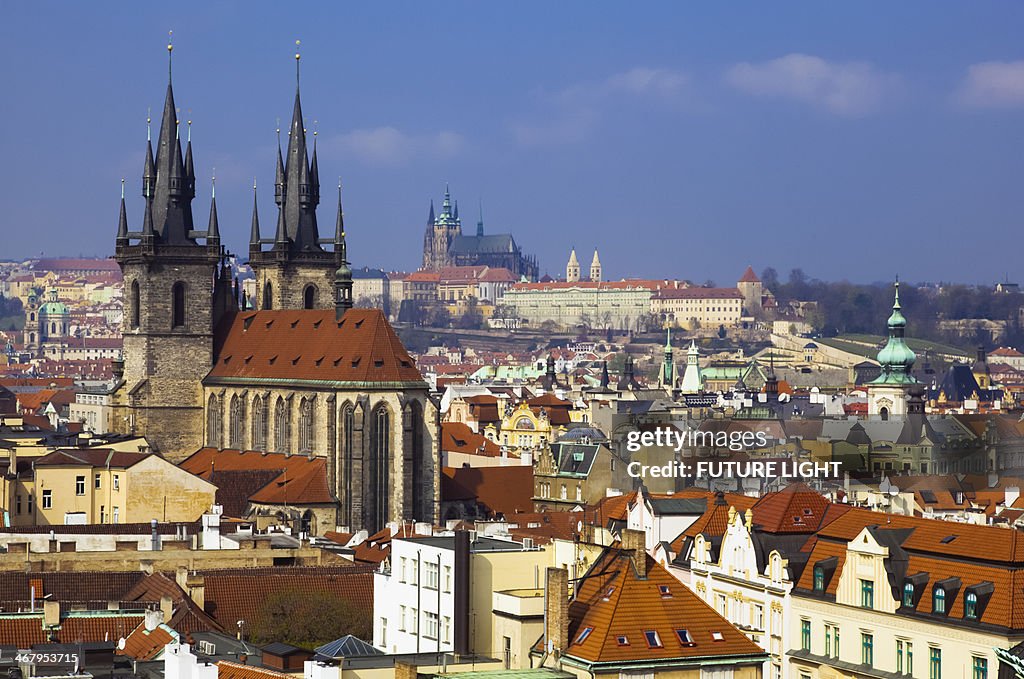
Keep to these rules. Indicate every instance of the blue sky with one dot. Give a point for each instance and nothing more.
(855, 140)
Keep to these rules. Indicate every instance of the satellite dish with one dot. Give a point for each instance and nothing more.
(579, 526)
(120, 644)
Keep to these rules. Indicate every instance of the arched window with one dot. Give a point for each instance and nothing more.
(971, 606)
(236, 424)
(884, 412)
(258, 435)
(306, 426)
(939, 600)
(53, 328)
(178, 305)
(908, 594)
(32, 316)
(213, 422)
(348, 423)
(380, 466)
(135, 304)
(268, 291)
(309, 297)
(282, 426)
(419, 482)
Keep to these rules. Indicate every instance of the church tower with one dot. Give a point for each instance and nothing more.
(887, 394)
(296, 272)
(595, 268)
(176, 291)
(693, 380)
(572, 268)
(442, 230)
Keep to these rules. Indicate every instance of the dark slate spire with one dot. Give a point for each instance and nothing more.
(343, 275)
(122, 223)
(281, 235)
(254, 234)
(299, 203)
(314, 175)
(171, 204)
(605, 379)
(190, 172)
(455, 213)
(430, 217)
(480, 222)
(279, 187)
(149, 171)
(339, 230)
(213, 230)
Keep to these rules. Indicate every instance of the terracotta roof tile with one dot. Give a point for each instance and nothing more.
(233, 670)
(301, 479)
(501, 490)
(457, 437)
(614, 602)
(311, 344)
(143, 644)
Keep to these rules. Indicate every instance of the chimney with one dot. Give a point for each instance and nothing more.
(167, 608)
(153, 620)
(404, 670)
(51, 613)
(556, 610)
(633, 542)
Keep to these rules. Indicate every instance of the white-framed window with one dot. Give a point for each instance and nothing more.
(115, 515)
(47, 499)
(414, 571)
(79, 485)
(383, 631)
(401, 569)
(97, 484)
(414, 621)
(430, 631)
(432, 575)
(401, 618)
(117, 482)
(446, 629)
(447, 578)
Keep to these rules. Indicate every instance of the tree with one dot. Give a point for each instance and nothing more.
(770, 279)
(438, 317)
(472, 318)
(307, 619)
(722, 332)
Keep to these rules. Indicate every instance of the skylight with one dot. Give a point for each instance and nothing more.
(684, 637)
(717, 636)
(653, 640)
(584, 634)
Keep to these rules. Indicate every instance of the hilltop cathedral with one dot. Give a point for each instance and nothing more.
(444, 245)
(303, 374)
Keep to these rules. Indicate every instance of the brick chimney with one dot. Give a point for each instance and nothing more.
(633, 543)
(556, 610)
(404, 670)
(167, 608)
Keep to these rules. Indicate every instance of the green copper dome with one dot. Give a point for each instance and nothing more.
(896, 358)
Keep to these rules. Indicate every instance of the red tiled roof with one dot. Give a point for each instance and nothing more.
(457, 437)
(629, 284)
(795, 509)
(68, 586)
(698, 293)
(423, 277)
(73, 264)
(498, 275)
(613, 602)
(749, 276)
(143, 644)
(232, 670)
(240, 594)
(501, 490)
(302, 480)
(91, 457)
(310, 344)
(26, 630)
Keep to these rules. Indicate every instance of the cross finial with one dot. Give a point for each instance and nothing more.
(298, 58)
(122, 188)
(170, 50)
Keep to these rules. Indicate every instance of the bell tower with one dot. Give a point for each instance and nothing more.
(176, 291)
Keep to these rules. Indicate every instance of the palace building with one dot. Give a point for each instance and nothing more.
(304, 374)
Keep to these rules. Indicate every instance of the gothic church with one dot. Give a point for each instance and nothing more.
(303, 374)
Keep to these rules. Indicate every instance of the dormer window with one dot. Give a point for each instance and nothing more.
(584, 634)
(971, 606)
(908, 594)
(939, 600)
(819, 579)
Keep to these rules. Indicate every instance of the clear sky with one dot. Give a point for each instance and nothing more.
(853, 139)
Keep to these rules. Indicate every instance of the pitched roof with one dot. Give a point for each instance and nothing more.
(67, 586)
(241, 593)
(698, 293)
(301, 479)
(91, 457)
(749, 276)
(232, 670)
(613, 601)
(310, 344)
(26, 630)
(457, 437)
(143, 644)
(502, 490)
(795, 509)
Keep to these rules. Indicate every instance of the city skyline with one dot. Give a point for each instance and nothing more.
(900, 134)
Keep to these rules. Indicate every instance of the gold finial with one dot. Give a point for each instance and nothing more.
(170, 50)
(298, 57)
(254, 183)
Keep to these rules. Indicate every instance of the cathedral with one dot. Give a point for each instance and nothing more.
(444, 245)
(303, 373)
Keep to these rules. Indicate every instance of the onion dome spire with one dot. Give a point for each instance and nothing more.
(896, 358)
(254, 234)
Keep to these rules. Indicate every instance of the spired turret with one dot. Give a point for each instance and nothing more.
(887, 394)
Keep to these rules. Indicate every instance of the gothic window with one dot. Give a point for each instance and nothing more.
(306, 426)
(267, 293)
(258, 435)
(237, 424)
(178, 305)
(418, 473)
(135, 304)
(213, 422)
(332, 428)
(348, 423)
(380, 466)
(309, 296)
(282, 426)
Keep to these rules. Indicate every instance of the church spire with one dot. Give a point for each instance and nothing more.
(430, 216)
(343, 275)
(122, 222)
(190, 172)
(254, 233)
(480, 222)
(213, 230)
(299, 188)
(279, 185)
